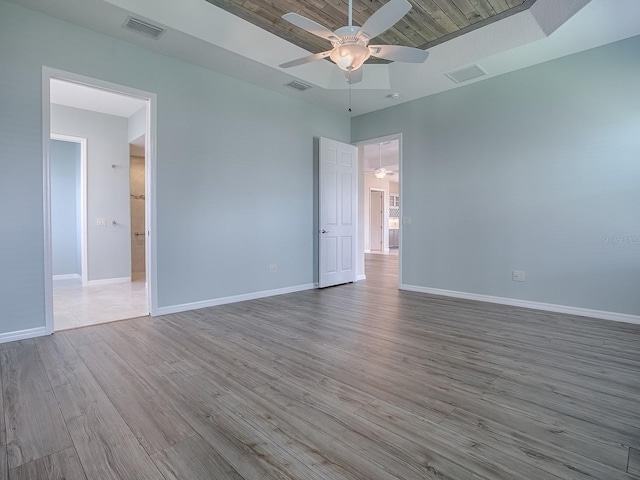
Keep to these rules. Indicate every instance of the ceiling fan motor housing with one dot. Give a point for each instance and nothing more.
(350, 50)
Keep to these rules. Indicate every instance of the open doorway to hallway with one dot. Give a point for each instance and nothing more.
(98, 218)
(381, 198)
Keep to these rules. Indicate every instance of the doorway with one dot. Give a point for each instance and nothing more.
(106, 117)
(381, 198)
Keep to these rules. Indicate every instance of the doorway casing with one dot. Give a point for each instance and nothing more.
(49, 73)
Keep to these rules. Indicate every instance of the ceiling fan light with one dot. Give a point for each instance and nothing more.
(350, 57)
(380, 173)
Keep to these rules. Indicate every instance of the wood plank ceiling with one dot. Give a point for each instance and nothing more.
(429, 22)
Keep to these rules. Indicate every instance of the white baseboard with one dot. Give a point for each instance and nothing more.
(549, 307)
(233, 299)
(67, 276)
(109, 281)
(361, 277)
(22, 334)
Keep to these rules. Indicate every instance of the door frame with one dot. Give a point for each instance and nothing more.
(49, 73)
(381, 191)
(361, 193)
(83, 199)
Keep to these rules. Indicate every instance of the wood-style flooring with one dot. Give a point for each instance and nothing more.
(360, 381)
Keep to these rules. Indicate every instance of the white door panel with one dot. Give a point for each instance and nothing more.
(376, 220)
(337, 216)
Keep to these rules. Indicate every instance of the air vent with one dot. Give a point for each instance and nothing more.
(466, 74)
(143, 28)
(298, 85)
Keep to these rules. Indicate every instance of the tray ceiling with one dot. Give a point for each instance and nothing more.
(428, 23)
(199, 32)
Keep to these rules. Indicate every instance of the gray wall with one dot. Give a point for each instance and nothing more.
(65, 207)
(109, 247)
(536, 170)
(235, 177)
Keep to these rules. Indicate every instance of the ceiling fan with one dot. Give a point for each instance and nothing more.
(350, 43)
(381, 172)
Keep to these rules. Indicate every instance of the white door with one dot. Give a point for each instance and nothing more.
(337, 216)
(376, 220)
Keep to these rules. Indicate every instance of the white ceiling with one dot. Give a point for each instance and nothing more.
(200, 33)
(88, 98)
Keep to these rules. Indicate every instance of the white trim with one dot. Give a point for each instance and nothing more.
(550, 307)
(150, 189)
(67, 276)
(22, 334)
(109, 281)
(84, 269)
(46, 203)
(401, 213)
(234, 299)
(361, 277)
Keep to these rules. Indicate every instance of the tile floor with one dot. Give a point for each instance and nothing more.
(392, 251)
(76, 306)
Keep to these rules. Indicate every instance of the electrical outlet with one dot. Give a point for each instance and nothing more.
(517, 276)
(273, 268)
(102, 222)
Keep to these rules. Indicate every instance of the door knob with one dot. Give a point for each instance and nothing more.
(324, 231)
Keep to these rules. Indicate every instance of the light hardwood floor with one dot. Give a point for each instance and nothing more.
(360, 381)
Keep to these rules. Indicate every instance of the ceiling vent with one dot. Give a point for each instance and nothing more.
(466, 74)
(298, 85)
(143, 28)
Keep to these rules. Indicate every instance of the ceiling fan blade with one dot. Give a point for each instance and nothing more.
(397, 53)
(354, 76)
(310, 26)
(307, 59)
(384, 18)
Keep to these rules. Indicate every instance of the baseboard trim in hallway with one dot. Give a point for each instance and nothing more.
(514, 302)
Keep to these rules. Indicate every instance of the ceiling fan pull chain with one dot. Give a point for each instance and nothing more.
(349, 81)
(350, 13)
